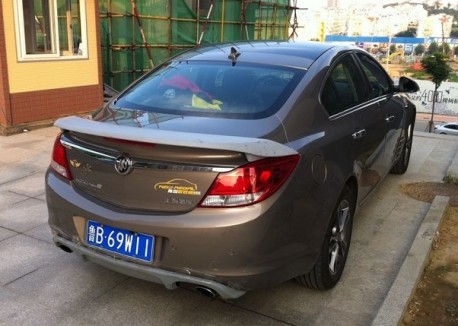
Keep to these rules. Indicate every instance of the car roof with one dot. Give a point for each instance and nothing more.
(283, 53)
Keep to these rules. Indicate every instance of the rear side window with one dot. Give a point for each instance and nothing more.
(379, 82)
(213, 88)
(343, 87)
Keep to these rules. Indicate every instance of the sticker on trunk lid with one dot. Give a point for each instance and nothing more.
(178, 186)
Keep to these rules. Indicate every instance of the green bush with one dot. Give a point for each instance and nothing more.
(453, 78)
(420, 75)
(451, 179)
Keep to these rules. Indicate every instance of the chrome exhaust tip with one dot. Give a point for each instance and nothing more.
(64, 247)
(207, 292)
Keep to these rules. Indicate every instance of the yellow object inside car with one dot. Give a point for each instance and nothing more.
(198, 102)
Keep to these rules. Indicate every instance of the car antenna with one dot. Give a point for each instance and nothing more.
(234, 55)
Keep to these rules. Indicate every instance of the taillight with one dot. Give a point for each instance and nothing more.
(59, 160)
(250, 183)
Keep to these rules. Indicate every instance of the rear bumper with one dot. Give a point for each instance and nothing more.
(167, 278)
(230, 251)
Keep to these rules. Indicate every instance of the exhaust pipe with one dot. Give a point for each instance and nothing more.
(64, 247)
(207, 292)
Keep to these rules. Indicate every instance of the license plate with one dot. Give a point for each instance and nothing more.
(120, 241)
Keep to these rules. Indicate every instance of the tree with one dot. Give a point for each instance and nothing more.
(419, 49)
(392, 48)
(437, 67)
(433, 47)
(406, 33)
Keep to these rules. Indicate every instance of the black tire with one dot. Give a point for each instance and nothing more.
(400, 167)
(331, 262)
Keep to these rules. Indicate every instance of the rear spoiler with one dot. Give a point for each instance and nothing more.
(254, 146)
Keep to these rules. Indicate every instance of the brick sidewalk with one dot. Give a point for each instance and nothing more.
(437, 117)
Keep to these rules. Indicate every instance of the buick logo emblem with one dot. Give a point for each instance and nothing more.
(123, 164)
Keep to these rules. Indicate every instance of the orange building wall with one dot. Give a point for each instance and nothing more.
(5, 112)
(44, 90)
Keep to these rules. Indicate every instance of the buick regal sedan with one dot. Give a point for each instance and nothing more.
(231, 167)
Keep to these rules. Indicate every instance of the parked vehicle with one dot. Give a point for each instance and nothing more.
(231, 167)
(450, 128)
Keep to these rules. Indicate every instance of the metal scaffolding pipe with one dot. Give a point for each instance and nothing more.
(170, 24)
(204, 28)
(142, 32)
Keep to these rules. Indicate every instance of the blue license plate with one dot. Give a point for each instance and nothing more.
(131, 244)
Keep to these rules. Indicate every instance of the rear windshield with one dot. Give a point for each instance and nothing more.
(201, 88)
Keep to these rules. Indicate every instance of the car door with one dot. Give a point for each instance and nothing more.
(345, 98)
(388, 107)
(452, 129)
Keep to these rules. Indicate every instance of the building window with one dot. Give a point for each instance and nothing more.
(51, 29)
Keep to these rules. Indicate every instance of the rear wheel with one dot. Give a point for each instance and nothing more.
(331, 262)
(403, 162)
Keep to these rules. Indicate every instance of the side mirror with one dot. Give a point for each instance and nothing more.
(407, 85)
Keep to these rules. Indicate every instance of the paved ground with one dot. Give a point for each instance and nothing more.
(42, 285)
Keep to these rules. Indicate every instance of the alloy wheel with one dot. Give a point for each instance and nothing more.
(338, 245)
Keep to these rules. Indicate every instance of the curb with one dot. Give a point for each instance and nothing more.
(395, 303)
(452, 172)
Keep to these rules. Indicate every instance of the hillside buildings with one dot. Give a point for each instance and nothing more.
(378, 19)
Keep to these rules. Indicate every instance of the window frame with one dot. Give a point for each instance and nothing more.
(22, 54)
(355, 84)
(369, 73)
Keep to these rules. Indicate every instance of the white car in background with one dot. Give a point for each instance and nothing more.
(450, 128)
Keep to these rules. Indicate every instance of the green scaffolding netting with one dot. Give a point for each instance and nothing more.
(134, 41)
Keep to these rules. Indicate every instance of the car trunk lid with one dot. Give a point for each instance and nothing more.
(153, 170)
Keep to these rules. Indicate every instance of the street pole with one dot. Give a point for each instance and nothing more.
(388, 54)
(431, 122)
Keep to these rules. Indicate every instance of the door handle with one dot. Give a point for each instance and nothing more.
(390, 118)
(359, 134)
